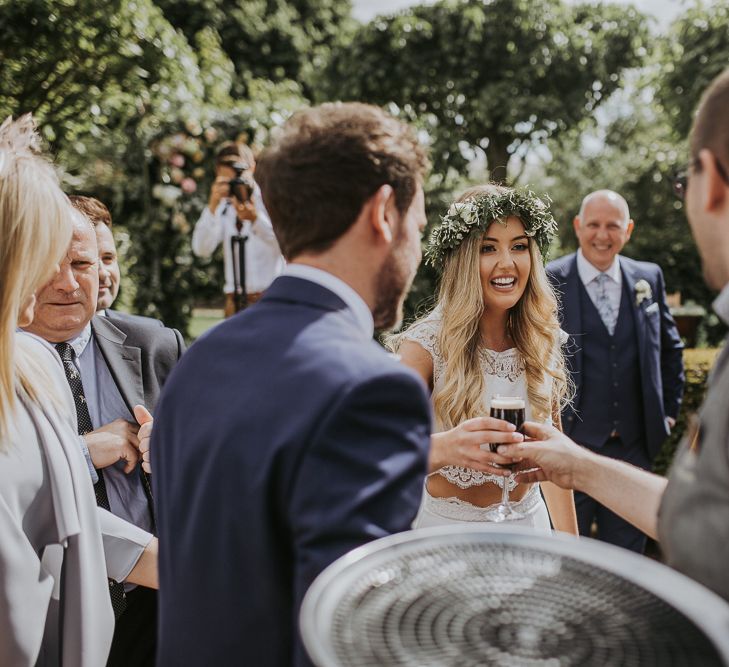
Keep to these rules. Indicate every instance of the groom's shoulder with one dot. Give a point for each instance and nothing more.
(364, 359)
(371, 376)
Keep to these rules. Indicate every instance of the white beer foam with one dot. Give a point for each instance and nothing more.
(508, 403)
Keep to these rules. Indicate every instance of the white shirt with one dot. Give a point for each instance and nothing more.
(351, 298)
(588, 274)
(263, 256)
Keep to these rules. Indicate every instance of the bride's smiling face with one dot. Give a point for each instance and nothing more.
(504, 264)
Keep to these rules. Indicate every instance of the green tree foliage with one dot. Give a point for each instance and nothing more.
(85, 67)
(496, 76)
(273, 40)
(696, 50)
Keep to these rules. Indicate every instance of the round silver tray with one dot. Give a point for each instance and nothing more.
(461, 596)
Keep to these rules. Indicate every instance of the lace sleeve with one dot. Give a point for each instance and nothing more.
(425, 333)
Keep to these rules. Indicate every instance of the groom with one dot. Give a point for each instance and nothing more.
(286, 436)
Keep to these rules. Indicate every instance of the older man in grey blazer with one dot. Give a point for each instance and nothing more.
(115, 370)
(689, 512)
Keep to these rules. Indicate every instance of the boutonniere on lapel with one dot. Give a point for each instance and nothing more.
(642, 292)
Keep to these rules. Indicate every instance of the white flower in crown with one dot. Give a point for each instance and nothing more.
(642, 291)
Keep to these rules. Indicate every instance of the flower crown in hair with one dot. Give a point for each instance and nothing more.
(477, 213)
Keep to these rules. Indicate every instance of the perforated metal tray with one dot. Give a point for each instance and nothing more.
(459, 597)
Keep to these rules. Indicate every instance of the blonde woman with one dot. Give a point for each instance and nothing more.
(54, 595)
(494, 331)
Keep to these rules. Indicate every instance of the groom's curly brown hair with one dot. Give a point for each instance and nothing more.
(326, 163)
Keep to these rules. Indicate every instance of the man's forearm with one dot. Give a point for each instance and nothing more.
(630, 492)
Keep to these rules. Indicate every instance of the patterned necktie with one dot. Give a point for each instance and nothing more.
(604, 306)
(65, 351)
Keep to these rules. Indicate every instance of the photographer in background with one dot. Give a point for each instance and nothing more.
(235, 215)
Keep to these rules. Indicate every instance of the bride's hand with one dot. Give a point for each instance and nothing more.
(461, 446)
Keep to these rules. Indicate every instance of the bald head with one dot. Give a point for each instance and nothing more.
(608, 197)
(603, 226)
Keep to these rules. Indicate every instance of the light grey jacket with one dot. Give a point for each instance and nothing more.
(693, 520)
(54, 600)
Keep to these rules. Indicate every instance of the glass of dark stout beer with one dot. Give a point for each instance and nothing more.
(511, 409)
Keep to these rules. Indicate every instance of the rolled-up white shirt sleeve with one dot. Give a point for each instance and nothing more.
(207, 234)
(124, 544)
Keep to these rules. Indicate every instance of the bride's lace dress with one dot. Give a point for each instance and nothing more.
(505, 376)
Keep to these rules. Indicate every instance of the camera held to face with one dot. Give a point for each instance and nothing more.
(242, 186)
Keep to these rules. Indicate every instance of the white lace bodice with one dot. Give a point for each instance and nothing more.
(505, 376)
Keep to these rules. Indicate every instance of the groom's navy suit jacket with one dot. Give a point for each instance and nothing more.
(284, 438)
(653, 347)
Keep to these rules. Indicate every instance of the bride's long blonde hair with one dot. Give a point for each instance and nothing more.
(532, 324)
(35, 229)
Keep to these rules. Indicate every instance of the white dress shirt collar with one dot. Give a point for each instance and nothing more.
(329, 281)
(588, 272)
(721, 304)
(81, 341)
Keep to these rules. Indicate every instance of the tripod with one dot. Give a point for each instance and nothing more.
(238, 251)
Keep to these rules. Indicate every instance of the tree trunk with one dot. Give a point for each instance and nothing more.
(497, 157)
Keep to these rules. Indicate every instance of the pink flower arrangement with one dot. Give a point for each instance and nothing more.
(188, 185)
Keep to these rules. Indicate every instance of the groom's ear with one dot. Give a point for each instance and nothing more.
(383, 216)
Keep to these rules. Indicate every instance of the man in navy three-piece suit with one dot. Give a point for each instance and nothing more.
(287, 436)
(624, 353)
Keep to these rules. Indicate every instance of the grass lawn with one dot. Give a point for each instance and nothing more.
(203, 319)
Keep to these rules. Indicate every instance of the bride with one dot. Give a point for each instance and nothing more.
(494, 331)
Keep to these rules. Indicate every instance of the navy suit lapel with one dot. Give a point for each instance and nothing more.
(124, 361)
(631, 277)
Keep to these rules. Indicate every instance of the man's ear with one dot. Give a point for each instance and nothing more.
(629, 230)
(382, 213)
(576, 224)
(714, 188)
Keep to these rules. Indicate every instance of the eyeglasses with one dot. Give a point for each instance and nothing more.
(681, 178)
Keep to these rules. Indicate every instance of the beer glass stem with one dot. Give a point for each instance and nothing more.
(505, 493)
(505, 511)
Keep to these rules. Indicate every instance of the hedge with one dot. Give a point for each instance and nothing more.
(697, 364)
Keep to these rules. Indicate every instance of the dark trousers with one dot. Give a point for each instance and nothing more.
(135, 632)
(610, 527)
